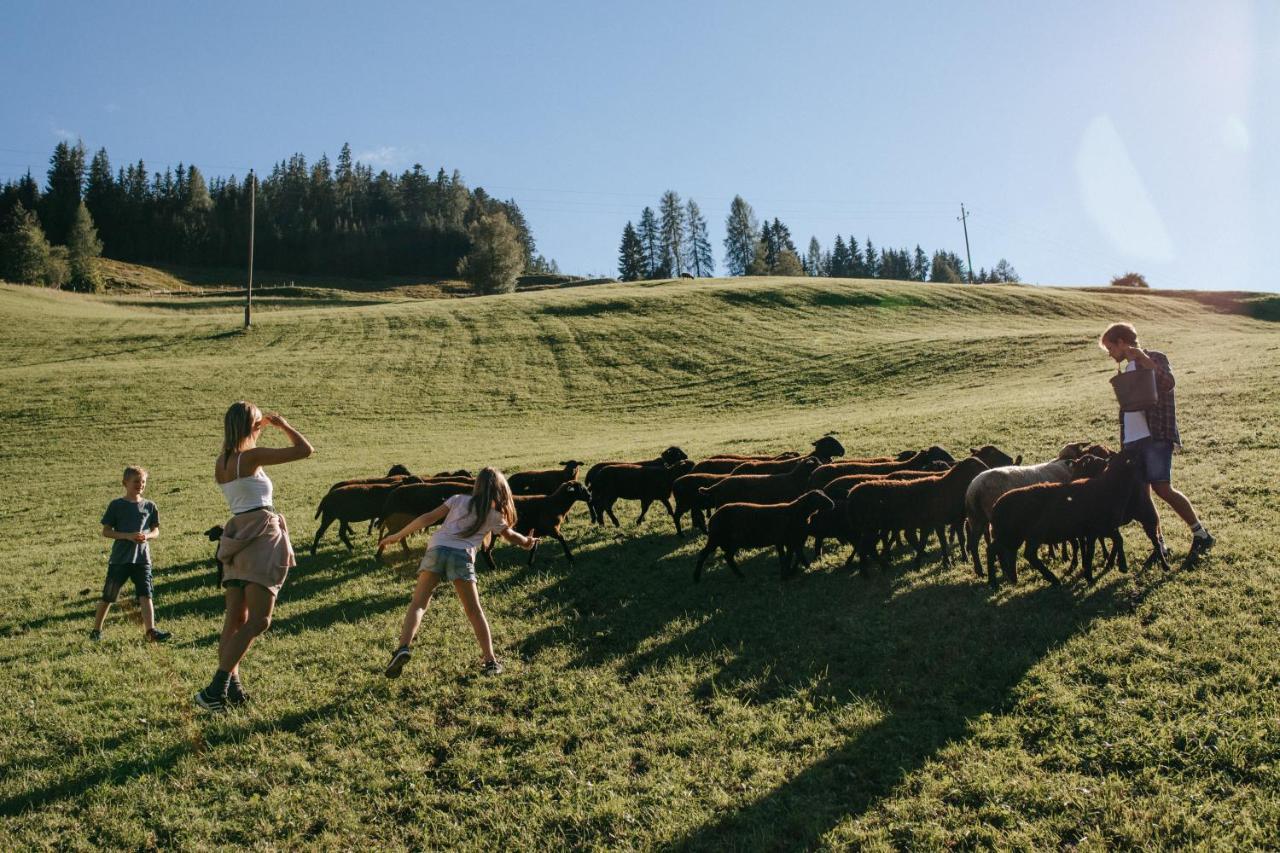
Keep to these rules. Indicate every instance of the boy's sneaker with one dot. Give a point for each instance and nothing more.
(491, 667)
(1200, 544)
(216, 704)
(95, 635)
(398, 660)
(155, 635)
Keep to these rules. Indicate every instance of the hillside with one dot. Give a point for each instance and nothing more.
(910, 709)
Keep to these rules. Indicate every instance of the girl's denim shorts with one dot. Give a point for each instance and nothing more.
(455, 564)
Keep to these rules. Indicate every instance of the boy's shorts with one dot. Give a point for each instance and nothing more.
(118, 573)
(454, 563)
(1154, 459)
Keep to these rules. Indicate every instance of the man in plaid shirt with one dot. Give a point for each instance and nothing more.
(1150, 436)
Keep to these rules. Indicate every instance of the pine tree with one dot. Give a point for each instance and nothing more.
(769, 245)
(943, 269)
(742, 233)
(920, 265)
(496, 258)
(870, 260)
(701, 258)
(63, 194)
(857, 266)
(651, 239)
(672, 228)
(631, 260)
(813, 259)
(83, 249)
(840, 260)
(24, 251)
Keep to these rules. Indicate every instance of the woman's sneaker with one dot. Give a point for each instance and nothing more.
(216, 704)
(1200, 544)
(155, 635)
(95, 635)
(491, 667)
(398, 659)
(236, 695)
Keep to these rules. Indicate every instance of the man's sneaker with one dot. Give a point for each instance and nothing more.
(491, 667)
(398, 660)
(155, 635)
(215, 704)
(95, 635)
(1200, 544)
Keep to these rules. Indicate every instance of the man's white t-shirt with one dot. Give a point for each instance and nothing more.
(1135, 423)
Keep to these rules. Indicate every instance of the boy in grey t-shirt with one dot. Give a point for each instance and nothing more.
(132, 522)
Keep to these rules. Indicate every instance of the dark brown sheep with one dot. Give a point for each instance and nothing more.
(543, 482)
(994, 457)
(1086, 509)
(542, 515)
(405, 503)
(928, 504)
(684, 492)
(826, 473)
(761, 488)
(743, 525)
(644, 483)
(351, 503)
(670, 456)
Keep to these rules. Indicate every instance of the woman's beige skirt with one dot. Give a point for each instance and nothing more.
(255, 548)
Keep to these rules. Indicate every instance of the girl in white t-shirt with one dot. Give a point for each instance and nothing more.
(451, 554)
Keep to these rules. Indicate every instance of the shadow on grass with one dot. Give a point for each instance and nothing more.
(935, 649)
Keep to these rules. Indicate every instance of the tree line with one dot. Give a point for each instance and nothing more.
(674, 241)
(310, 217)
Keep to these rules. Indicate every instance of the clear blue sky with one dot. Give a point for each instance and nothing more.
(1087, 138)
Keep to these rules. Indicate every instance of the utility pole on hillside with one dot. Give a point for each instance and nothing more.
(964, 220)
(248, 294)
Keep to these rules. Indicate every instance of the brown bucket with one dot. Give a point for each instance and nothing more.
(1135, 390)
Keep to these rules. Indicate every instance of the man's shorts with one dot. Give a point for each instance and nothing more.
(1154, 459)
(118, 573)
(455, 564)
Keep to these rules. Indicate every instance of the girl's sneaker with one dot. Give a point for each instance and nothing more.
(398, 660)
(236, 695)
(491, 667)
(216, 704)
(155, 635)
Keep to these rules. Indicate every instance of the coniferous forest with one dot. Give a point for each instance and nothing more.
(340, 217)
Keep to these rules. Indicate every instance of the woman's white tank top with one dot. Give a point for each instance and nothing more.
(246, 493)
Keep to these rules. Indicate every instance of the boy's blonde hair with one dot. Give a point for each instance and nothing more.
(237, 426)
(490, 490)
(1119, 332)
(131, 471)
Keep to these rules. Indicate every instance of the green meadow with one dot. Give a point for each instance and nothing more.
(911, 709)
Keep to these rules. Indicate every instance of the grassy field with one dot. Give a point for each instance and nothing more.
(913, 709)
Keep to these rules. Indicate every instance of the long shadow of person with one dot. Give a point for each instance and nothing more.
(931, 651)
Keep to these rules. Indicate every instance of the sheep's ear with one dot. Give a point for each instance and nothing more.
(973, 451)
(1018, 461)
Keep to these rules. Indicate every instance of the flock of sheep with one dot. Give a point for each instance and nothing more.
(1073, 502)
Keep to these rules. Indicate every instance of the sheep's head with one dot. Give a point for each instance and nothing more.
(398, 469)
(679, 469)
(1087, 465)
(571, 467)
(815, 501)
(992, 455)
(576, 491)
(828, 447)
(937, 453)
(1072, 450)
(673, 455)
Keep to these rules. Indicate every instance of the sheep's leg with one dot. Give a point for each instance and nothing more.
(533, 552)
(729, 557)
(608, 508)
(702, 558)
(922, 543)
(667, 504)
(344, 533)
(644, 508)
(486, 550)
(1089, 546)
(556, 535)
(784, 561)
(817, 547)
(994, 550)
(699, 520)
(325, 521)
(945, 545)
(1034, 559)
(973, 546)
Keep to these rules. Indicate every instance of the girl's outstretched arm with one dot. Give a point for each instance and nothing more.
(519, 539)
(425, 520)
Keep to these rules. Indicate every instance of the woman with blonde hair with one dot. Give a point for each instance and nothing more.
(451, 554)
(254, 550)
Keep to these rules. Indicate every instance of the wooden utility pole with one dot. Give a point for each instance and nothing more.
(248, 294)
(964, 220)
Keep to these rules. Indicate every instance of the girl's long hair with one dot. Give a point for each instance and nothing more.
(491, 490)
(237, 426)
